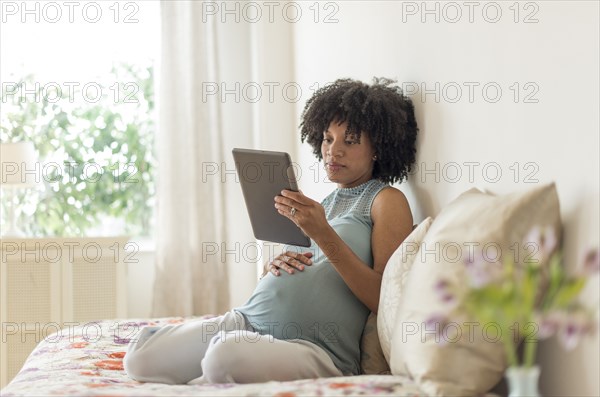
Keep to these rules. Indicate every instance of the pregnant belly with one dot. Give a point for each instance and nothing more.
(314, 305)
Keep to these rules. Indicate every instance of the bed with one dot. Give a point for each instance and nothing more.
(87, 360)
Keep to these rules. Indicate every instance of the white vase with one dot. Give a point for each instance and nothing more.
(523, 381)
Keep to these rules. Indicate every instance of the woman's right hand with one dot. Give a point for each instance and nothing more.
(288, 261)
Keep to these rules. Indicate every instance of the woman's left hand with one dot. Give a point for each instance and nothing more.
(308, 214)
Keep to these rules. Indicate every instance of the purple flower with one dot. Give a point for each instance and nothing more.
(442, 285)
(574, 328)
(481, 271)
(443, 289)
(591, 263)
(570, 335)
(549, 240)
(436, 322)
(549, 323)
(544, 242)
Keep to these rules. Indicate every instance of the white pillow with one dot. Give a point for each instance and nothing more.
(469, 365)
(392, 284)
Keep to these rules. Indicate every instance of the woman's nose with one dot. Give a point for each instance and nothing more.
(336, 149)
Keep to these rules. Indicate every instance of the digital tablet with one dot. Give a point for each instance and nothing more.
(263, 175)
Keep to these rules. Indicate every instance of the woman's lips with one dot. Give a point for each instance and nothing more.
(334, 167)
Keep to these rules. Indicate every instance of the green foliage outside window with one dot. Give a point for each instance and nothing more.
(96, 152)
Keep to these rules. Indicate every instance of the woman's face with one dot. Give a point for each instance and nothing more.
(348, 161)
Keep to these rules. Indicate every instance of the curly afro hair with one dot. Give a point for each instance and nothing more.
(380, 110)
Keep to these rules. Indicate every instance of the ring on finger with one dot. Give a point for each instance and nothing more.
(293, 211)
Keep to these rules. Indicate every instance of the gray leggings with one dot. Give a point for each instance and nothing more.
(223, 349)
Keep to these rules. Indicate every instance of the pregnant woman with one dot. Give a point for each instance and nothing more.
(307, 314)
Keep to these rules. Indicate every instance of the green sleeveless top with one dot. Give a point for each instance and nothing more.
(316, 304)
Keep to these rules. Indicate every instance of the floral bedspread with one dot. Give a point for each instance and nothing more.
(87, 360)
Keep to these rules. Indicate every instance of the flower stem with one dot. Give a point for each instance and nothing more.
(530, 347)
(511, 355)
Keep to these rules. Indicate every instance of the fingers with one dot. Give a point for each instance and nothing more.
(290, 261)
(305, 257)
(287, 212)
(299, 259)
(294, 199)
(297, 196)
(283, 265)
(281, 202)
(273, 269)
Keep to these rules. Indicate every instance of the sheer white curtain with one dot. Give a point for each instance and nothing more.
(197, 210)
(190, 212)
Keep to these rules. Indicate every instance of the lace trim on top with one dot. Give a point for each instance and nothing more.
(355, 200)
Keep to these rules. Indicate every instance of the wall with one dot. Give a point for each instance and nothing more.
(543, 129)
(548, 132)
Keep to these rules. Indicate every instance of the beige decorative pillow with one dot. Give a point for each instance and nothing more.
(392, 284)
(372, 361)
(466, 365)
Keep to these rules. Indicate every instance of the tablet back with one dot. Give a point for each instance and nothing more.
(263, 175)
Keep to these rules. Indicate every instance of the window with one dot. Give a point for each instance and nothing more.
(78, 81)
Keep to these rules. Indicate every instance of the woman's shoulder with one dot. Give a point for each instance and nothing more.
(391, 192)
(390, 201)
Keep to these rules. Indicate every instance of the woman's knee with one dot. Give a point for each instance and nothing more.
(137, 366)
(141, 363)
(143, 366)
(223, 360)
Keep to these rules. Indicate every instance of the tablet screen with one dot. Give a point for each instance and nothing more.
(263, 175)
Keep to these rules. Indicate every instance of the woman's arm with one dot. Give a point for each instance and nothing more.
(392, 223)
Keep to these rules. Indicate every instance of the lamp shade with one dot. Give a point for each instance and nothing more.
(18, 164)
